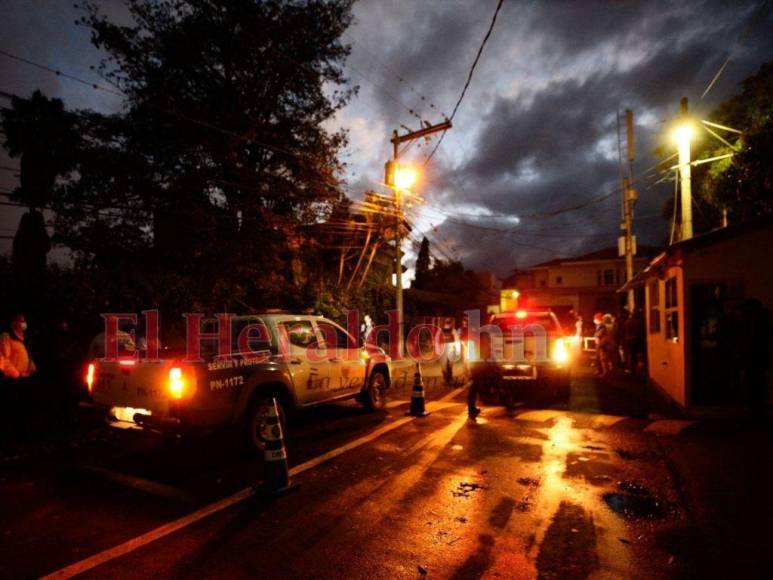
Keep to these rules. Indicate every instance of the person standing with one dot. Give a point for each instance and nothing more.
(16, 360)
(619, 329)
(366, 328)
(606, 345)
(599, 330)
(633, 330)
(16, 367)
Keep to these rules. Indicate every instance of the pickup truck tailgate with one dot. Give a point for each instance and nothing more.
(139, 385)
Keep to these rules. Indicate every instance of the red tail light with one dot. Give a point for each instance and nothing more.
(176, 383)
(91, 375)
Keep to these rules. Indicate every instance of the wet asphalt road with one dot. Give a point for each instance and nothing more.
(575, 492)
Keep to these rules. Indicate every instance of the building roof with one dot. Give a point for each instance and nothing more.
(610, 253)
(697, 242)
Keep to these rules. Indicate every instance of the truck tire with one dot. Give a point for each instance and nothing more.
(374, 396)
(254, 421)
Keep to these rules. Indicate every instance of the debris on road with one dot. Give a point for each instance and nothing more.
(528, 481)
(523, 505)
(637, 455)
(464, 489)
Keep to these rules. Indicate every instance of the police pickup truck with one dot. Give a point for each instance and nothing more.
(523, 356)
(300, 360)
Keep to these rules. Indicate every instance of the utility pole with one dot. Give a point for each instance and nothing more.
(630, 199)
(684, 172)
(626, 243)
(392, 180)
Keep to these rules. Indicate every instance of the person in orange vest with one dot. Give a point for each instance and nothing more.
(15, 360)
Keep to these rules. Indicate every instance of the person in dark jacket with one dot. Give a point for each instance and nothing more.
(633, 340)
(754, 338)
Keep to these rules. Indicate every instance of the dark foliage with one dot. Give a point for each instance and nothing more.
(193, 196)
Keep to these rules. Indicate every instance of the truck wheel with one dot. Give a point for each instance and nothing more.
(374, 397)
(255, 422)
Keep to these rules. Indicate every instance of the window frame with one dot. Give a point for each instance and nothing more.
(653, 293)
(671, 308)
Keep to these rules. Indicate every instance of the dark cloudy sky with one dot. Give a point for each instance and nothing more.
(537, 129)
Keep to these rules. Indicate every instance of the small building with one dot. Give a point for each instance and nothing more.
(585, 284)
(694, 293)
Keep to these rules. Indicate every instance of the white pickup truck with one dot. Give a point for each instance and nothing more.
(318, 362)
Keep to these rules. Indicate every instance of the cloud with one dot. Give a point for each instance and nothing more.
(537, 130)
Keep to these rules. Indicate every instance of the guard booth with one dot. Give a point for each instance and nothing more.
(696, 293)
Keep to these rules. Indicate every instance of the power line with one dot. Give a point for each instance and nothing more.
(755, 17)
(469, 77)
(400, 77)
(57, 72)
(208, 125)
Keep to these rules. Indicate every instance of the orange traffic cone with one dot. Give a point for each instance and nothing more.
(417, 396)
(276, 478)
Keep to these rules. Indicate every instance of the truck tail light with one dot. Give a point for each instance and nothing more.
(560, 352)
(91, 375)
(176, 383)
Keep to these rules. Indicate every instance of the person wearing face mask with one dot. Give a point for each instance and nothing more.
(15, 360)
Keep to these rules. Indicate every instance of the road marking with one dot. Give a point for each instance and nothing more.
(152, 536)
(668, 426)
(449, 395)
(185, 521)
(144, 485)
(539, 416)
(606, 420)
(349, 446)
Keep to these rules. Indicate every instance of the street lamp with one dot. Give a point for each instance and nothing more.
(402, 179)
(405, 177)
(683, 134)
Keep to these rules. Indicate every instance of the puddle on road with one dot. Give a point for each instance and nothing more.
(591, 467)
(633, 488)
(635, 506)
(629, 455)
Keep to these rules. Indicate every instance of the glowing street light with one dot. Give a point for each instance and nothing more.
(405, 177)
(402, 178)
(683, 134)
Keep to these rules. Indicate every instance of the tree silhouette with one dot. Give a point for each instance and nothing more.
(220, 155)
(742, 184)
(42, 134)
(422, 265)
